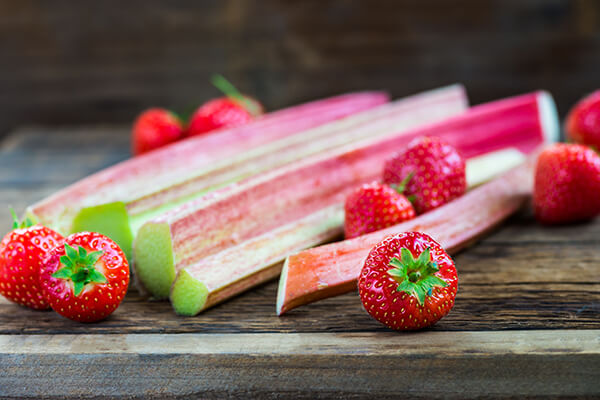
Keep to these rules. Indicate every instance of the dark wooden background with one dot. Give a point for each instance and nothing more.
(73, 62)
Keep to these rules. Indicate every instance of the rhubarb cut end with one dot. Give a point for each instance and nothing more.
(188, 295)
(281, 292)
(154, 262)
(548, 117)
(111, 219)
(485, 167)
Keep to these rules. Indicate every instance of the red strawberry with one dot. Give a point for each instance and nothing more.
(435, 171)
(22, 252)
(583, 121)
(567, 184)
(408, 281)
(86, 278)
(155, 128)
(374, 206)
(224, 112)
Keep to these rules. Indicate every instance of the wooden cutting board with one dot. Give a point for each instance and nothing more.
(526, 320)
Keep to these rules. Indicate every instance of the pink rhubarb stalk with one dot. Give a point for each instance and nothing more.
(115, 201)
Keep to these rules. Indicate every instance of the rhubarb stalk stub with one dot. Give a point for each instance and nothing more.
(236, 237)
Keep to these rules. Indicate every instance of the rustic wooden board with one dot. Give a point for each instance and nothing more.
(526, 320)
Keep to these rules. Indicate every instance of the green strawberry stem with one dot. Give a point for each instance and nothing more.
(17, 224)
(79, 268)
(415, 276)
(401, 187)
(231, 91)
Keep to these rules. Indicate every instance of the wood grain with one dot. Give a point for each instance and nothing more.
(524, 276)
(319, 365)
(90, 61)
(526, 320)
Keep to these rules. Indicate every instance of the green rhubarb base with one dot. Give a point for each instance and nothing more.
(188, 295)
(154, 261)
(109, 219)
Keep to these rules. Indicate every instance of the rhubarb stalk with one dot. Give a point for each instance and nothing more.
(221, 244)
(117, 200)
(333, 269)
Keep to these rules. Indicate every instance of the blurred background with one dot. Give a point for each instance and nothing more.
(88, 62)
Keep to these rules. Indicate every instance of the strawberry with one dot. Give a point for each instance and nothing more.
(155, 128)
(375, 206)
(583, 121)
(22, 252)
(435, 172)
(408, 281)
(86, 278)
(224, 112)
(567, 184)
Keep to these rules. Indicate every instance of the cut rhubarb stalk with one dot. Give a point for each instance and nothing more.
(118, 199)
(333, 269)
(122, 198)
(378, 122)
(213, 239)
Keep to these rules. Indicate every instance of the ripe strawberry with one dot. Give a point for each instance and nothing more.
(374, 206)
(408, 281)
(86, 278)
(155, 128)
(224, 112)
(583, 121)
(435, 172)
(567, 184)
(22, 252)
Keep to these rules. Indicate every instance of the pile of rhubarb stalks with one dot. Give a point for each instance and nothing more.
(211, 216)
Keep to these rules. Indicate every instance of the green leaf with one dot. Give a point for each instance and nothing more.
(405, 286)
(82, 252)
(431, 268)
(15, 218)
(433, 281)
(420, 294)
(96, 276)
(93, 257)
(27, 223)
(63, 273)
(66, 261)
(78, 287)
(71, 252)
(407, 258)
(424, 257)
(231, 91)
(397, 272)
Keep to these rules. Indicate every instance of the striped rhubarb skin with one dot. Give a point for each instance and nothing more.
(116, 200)
(333, 269)
(154, 268)
(231, 240)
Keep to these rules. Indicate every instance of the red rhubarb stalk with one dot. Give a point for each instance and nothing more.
(333, 269)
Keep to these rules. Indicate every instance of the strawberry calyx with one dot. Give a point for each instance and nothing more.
(233, 94)
(415, 276)
(79, 267)
(18, 224)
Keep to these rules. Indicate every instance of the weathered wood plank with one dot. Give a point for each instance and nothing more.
(524, 276)
(427, 365)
